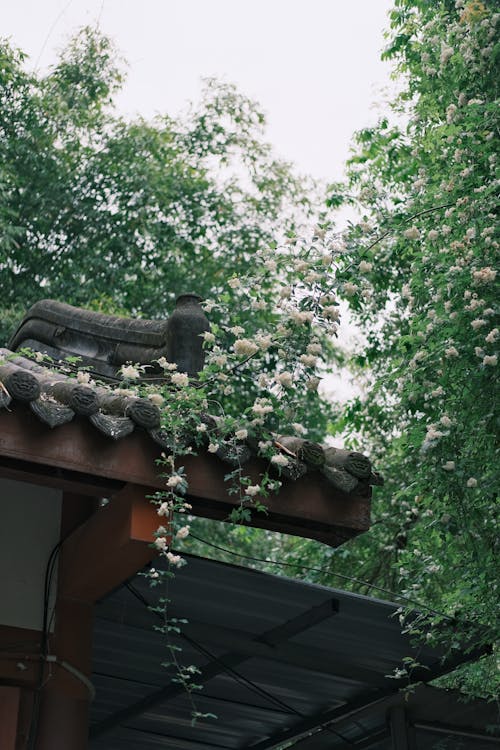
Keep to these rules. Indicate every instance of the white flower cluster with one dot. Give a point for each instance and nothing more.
(262, 406)
(245, 347)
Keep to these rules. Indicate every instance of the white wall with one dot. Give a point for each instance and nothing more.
(29, 529)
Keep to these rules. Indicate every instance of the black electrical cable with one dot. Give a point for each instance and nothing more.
(237, 676)
(49, 574)
(324, 571)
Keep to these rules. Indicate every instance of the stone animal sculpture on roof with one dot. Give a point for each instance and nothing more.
(105, 342)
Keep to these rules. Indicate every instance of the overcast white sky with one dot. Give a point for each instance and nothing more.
(313, 65)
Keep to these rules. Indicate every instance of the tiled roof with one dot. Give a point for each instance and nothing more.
(103, 343)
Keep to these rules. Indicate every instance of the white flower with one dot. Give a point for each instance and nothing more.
(492, 336)
(472, 482)
(83, 377)
(350, 289)
(433, 434)
(314, 348)
(164, 509)
(332, 312)
(286, 292)
(208, 305)
(450, 113)
(279, 460)
(451, 352)
(439, 391)
(130, 372)
(406, 291)
(263, 341)
(174, 480)
(490, 360)
(433, 234)
(252, 490)
(165, 364)
(301, 265)
(449, 466)
(297, 427)
(183, 532)
(445, 421)
(174, 559)
(262, 407)
(412, 233)
(219, 359)
(258, 304)
(301, 316)
(270, 265)
(156, 399)
(160, 543)
(365, 267)
(234, 283)
(208, 337)
(285, 379)
(309, 360)
(312, 384)
(245, 347)
(180, 378)
(237, 330)
(39, 357)
(446, 53)
(478, 351)
(201, 427)
(484, 275)
(478, 323)
(213, 447)
(241, 434)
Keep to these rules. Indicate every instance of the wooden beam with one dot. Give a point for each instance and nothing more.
(19, 649)
(309, 507)
(74, 482)
(110, 547)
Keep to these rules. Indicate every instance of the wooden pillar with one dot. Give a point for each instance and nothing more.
(65, 700)
(10, 698)
(62, 715)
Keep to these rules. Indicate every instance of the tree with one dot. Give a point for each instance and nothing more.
(424, 183)
(124, 215)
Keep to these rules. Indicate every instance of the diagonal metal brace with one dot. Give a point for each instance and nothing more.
(272, 637)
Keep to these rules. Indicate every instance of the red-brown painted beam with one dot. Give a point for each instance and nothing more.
(110, 547)
(19, 649)
(308, 507)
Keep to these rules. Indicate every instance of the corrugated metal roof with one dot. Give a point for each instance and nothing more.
(275, 655)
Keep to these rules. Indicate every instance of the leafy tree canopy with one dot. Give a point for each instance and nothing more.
(123, 215)
(424, 181)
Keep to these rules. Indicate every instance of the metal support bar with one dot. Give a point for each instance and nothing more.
(281, 632)
(298, 624)
(325, 718)
(466, 733)
(399, 728)
(366, 699)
